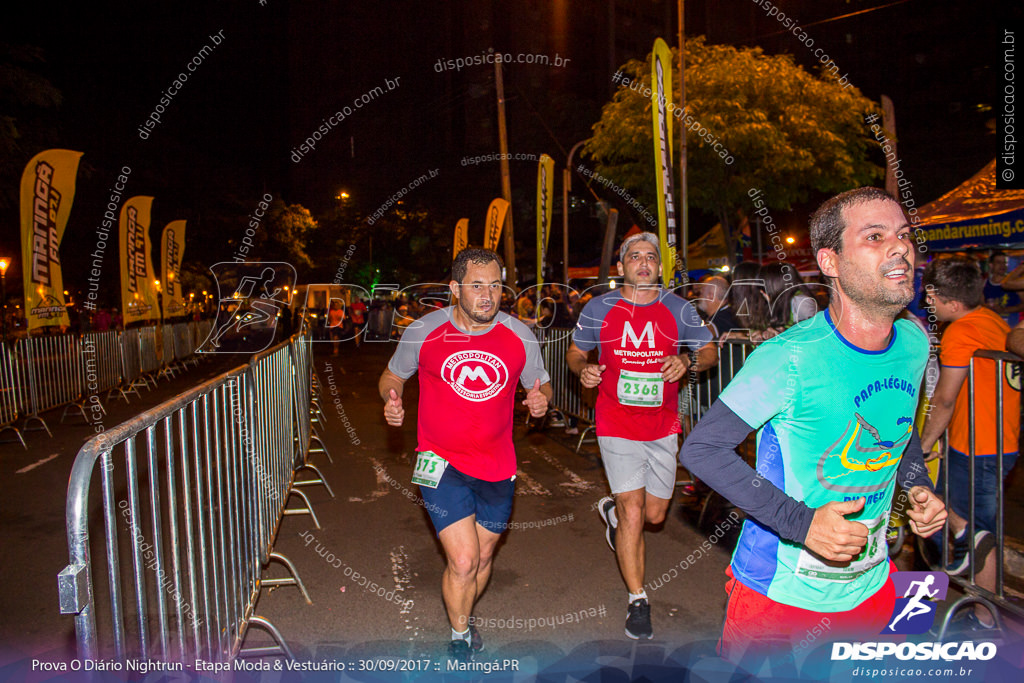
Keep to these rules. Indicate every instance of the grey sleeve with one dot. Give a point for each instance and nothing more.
(709, 453)
(692, 331)
(534, 368)
(587, 334)
(406, 358)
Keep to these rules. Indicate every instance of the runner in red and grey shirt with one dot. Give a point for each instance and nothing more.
(639, 331)
(469, 358)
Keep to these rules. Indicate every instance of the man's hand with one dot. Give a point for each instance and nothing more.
(394, 413)
(590, 376)
(674, 367)
(833, 537)
(935, 452)
(536, 401)
(927, 512)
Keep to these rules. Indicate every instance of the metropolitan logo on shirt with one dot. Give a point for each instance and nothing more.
(475, 375)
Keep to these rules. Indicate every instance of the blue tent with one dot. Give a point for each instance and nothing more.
(975, 215)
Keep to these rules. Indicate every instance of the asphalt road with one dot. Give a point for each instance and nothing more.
(555, 604)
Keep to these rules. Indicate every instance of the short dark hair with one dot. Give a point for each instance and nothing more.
(827, 223)
(955, 278)
(480, 257)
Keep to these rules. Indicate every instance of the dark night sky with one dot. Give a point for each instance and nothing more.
(284, 67)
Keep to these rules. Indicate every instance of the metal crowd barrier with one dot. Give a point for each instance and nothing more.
(696, 397)
(46, 372)
(51, 367)
(566, 390)
(10, 384)
(193, 491)
(1005, 365)
(150, 353)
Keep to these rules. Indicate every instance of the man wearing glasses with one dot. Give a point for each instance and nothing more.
(469, 357)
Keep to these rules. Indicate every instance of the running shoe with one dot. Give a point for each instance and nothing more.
(606, 506)
(958, 565)
(476, 643)
(460, 651)
(638, 620)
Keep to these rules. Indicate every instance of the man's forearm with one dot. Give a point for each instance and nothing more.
(707, 357)
(389, 381)
(935, 424)
(708, 453)
(576, 361)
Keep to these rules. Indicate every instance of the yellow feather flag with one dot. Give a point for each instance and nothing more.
(138, 280)
(47, 192)
(545, 195)
(495, 222)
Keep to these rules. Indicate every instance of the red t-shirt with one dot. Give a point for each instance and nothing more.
(632, 401)
(467, 388)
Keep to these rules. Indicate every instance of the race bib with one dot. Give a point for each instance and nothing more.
(874, 552)
(641, 388)
(429, 468)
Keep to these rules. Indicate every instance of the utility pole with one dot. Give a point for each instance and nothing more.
(506, 184)
(684, 224)
(566, 188)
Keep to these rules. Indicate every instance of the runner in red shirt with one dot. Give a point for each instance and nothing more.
(469, 357)
(639, 329)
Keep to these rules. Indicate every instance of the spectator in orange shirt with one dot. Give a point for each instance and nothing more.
(954, 293)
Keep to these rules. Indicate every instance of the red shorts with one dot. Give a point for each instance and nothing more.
(754, 620)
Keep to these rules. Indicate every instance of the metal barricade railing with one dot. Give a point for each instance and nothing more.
(696, 397)
(51, 366)
(101, 361)
(164, 338)
(10, 386)
(1006, 365)
(150, 355)
(193, 491)
(131, 362)
(567, 392)
(181, 334)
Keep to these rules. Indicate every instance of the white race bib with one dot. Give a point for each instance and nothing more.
(429, 468)
(641, 388)
(874, 552)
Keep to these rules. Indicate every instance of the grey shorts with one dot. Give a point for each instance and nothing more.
(632, 465)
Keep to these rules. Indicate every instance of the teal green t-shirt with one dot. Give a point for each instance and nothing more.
(833, 421)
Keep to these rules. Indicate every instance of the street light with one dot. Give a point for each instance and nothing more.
(3, 297)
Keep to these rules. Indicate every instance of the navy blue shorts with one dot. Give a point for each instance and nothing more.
(986, 481)
(459, 495)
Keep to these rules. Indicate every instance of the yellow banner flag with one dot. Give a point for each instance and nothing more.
(661, 106)
(172, 243)
(495, 222)
(545, 195)
(138, 281)
(47, 192)
(461, 236)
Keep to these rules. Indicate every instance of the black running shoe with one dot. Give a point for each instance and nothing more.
(476, 643)
(459, 651)
(606, 506)
(638, 620)
(960, 562)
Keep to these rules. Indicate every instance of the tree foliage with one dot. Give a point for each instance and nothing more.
(790, 133)
(28, 102)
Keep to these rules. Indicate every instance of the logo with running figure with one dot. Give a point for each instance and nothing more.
(861, 448)
(475, 375)
(915, 610)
